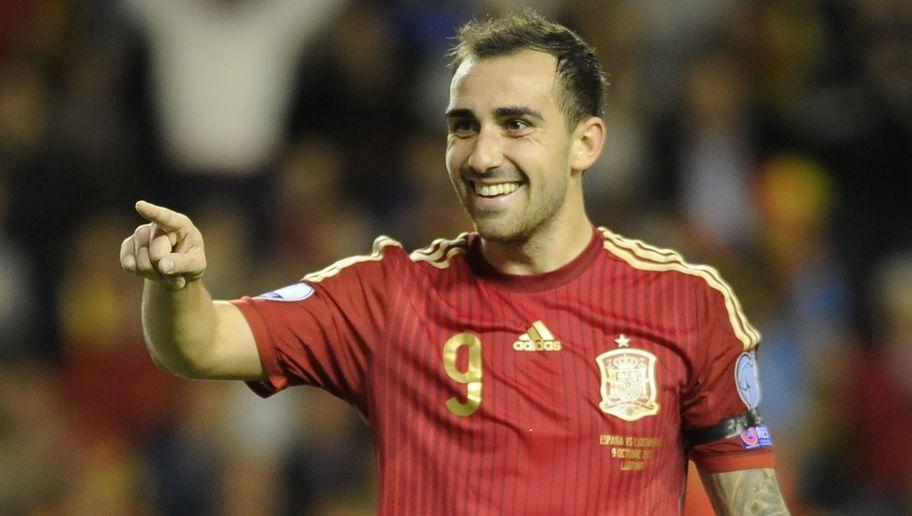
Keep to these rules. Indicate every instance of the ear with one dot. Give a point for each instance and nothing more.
(587, 141)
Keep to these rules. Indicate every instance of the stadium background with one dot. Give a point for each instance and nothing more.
(771, 139)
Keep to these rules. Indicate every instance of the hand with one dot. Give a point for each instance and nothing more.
(168, 249)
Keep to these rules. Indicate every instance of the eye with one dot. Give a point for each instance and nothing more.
(462, 127)
(517, 125)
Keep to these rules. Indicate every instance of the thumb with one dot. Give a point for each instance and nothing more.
(190, 265)
(177, 282)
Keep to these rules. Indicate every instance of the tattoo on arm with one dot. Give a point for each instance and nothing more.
(749, 491)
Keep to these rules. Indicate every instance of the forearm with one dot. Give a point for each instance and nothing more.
(179, 326)
(745, 492)
(187, 333)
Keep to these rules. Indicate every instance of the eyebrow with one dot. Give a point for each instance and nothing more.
(459, 113)
(501, 112)
(514, 111)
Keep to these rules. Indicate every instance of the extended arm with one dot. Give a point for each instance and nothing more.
(745, 492)
(187, 333)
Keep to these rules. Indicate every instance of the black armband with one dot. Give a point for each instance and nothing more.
(723, 429)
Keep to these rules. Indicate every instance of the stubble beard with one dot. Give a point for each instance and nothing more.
(517, 228)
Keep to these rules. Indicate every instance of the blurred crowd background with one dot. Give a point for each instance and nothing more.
(772, 139)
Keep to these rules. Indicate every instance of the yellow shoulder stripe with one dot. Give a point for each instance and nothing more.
(375, 256)
(646, 257)
(441, 251)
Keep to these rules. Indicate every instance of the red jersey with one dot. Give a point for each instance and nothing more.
(560, 393)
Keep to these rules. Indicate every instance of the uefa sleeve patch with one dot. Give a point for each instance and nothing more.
(295, 292)
(755, 437)
(747, 379)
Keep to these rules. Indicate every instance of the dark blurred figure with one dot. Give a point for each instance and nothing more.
(353, 91)
(19, 316)
(332, 468)
(873, 167)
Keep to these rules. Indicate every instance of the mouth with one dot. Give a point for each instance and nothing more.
(494, 190)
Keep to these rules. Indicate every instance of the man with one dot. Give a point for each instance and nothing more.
(536, 366)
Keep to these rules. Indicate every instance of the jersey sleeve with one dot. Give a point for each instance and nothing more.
(725, 383)
(322, 330)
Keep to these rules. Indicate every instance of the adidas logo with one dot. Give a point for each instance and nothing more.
(537, 338)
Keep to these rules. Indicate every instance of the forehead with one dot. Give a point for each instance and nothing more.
(525, 78)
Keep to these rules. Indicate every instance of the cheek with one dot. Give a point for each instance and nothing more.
(455, 157)
(532, 156)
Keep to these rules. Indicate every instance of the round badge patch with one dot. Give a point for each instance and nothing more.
(295, 292)
(747, 378)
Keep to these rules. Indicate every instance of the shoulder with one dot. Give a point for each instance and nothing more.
(384, 249)
(387, 253)
(648, 258)
(440, 253)
(704, 280)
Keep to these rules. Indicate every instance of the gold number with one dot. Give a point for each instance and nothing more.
(471, 377)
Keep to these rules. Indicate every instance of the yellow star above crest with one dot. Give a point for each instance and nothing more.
(623, 341)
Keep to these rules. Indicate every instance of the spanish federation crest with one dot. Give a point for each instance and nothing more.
(628, 382)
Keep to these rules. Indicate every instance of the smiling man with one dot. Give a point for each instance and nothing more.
(538, 365)
(516, 160)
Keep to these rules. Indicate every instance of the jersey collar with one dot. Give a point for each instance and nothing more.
(531, 282)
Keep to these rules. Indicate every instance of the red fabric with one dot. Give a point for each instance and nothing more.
(117, 394)
(730, 455)
(538, 443)
(879, 409)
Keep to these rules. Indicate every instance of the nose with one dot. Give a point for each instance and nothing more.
(487, 153)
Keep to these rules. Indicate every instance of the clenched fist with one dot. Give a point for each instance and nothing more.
(168, 249)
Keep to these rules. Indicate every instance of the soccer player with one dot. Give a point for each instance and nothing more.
(538, 365)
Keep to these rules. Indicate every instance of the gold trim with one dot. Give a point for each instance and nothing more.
(376, 255)
(441, 251)
(438, 254)
(646, 257)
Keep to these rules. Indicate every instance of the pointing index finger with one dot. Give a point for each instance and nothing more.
(166, 219)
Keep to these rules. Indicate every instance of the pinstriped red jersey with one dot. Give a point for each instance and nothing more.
(560, 393)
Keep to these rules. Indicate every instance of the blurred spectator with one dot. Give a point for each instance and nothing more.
(675, 30)
(876, 401)
(356, 93)
(223, 71)
(804, 317)
(18, 307)
(619, 180)
(432, 210)
(317, 219)
(708, 151)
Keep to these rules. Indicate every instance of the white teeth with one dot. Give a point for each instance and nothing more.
(495, 190)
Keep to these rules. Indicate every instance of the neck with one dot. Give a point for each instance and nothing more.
(548, 249)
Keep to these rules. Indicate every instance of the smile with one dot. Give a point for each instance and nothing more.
(494, 190)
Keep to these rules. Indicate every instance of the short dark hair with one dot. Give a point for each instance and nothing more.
(581, 76)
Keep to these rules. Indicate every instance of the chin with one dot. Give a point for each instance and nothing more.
(500, 232)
